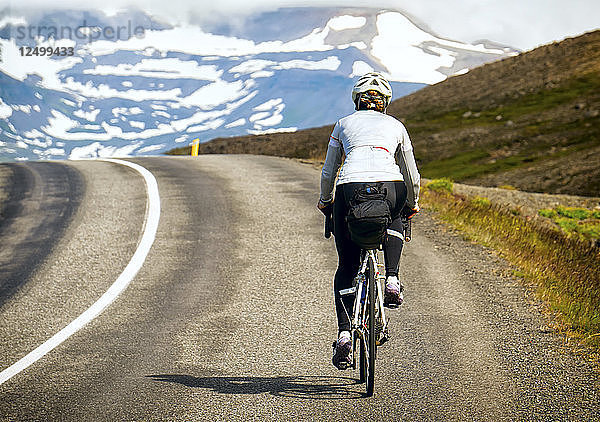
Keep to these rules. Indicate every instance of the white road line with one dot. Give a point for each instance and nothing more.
(151, 225)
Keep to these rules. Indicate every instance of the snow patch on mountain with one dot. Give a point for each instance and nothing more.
(339, 23)
(99, 150)
(406, 60)
(89, 116)
(5, 110)
(168, 68)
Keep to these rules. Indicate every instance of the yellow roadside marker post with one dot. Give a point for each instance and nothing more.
(195, 146)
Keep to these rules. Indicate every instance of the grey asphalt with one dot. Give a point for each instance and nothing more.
(47, 194)
(231, 317)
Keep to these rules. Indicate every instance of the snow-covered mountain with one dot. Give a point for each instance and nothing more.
(135, 85)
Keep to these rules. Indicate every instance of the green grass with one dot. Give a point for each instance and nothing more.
(534, 136)
(565, 268)
(578, 222)
(474, 163)
(458, 167)
(441, 185)
(480, 202)
(471, 164)
(531, 103)
(549, 98)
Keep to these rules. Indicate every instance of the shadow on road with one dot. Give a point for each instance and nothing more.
(307, 387)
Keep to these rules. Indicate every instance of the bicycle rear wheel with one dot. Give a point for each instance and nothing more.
(370, 340)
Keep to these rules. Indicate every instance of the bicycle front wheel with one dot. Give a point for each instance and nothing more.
(371, 341)
(362, 359)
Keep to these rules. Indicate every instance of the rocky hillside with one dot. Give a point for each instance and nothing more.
(530, 121)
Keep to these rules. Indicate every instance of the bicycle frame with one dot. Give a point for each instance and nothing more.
(359, 312)
(360, 302)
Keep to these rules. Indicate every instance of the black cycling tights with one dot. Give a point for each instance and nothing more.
(349, 252)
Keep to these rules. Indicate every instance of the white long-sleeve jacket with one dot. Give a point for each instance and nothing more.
(376, 147)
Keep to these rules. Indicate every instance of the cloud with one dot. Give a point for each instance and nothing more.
(522, 24)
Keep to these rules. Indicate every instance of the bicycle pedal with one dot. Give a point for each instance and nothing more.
(385, 336)
(349, 291)
(382, 340)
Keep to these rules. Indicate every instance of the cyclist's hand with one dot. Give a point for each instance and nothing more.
(325, 207)
(410, 212)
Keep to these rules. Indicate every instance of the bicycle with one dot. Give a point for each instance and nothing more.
(369, 325)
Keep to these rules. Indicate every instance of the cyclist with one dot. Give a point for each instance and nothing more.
(376, 148)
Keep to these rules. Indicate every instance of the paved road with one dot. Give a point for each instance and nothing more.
(231, 316)
(34, 215)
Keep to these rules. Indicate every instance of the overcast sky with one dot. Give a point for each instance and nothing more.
(524, 24)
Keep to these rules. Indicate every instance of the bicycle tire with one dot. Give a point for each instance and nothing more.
(362, 360)
(371, 341)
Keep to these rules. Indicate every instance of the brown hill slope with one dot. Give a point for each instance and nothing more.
(531, 121)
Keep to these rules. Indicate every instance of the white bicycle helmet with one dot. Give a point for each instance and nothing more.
(372, 81)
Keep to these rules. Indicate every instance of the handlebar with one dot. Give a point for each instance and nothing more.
(328, 226)
(328, 221)
(407, 229)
